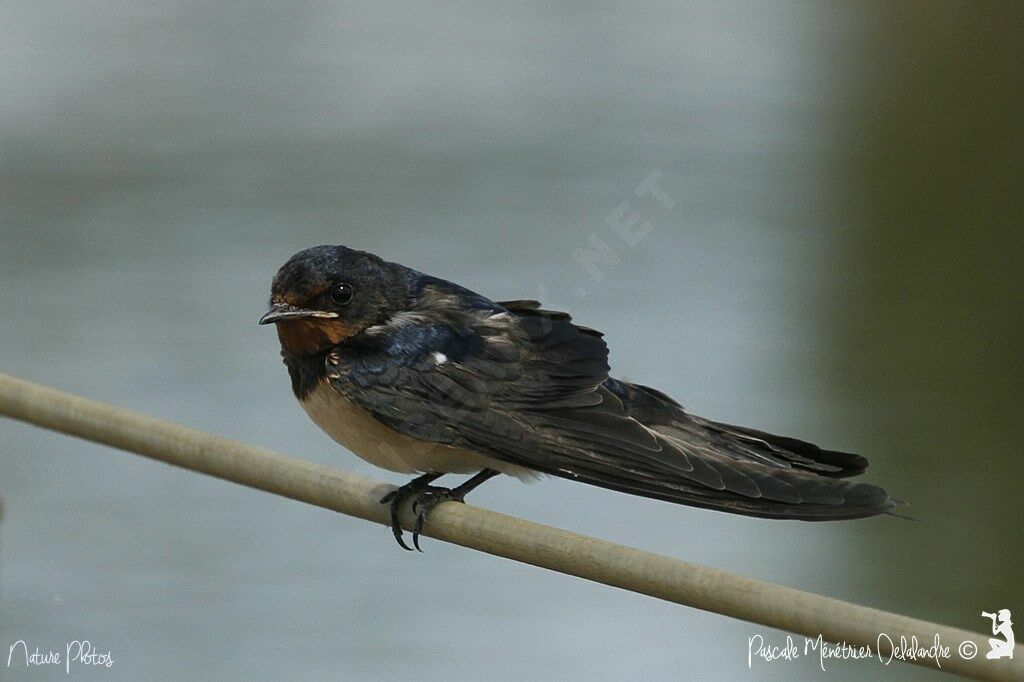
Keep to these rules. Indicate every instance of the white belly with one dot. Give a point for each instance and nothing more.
(357, 430)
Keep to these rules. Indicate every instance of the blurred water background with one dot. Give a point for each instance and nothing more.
(836, 255)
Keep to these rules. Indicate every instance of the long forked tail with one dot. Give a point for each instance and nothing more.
(742, 470)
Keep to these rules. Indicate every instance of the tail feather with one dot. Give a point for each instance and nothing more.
(759, 474)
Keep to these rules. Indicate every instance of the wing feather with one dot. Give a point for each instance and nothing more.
(526, 385)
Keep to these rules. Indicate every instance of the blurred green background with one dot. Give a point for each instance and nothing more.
(837, 255)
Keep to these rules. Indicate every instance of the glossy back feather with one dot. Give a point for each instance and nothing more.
(528, 386)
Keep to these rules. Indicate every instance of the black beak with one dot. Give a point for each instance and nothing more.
(280, 312)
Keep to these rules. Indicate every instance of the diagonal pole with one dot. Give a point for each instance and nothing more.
(559, 550)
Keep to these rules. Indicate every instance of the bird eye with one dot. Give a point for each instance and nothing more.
(342, 293)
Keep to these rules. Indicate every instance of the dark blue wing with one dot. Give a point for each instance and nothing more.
(528, 386)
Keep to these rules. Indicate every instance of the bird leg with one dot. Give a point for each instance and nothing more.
(396, 497)
(431, 496)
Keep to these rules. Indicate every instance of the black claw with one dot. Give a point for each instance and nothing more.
(397, 497)
(424, 503)
(394, 501)
(424, 498)
(396, 528)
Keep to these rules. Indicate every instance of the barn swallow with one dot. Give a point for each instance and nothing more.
(416, 374)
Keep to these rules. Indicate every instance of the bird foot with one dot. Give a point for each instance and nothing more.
(423, 496)
(425, 502)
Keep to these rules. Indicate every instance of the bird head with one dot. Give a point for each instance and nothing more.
(327, 294)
